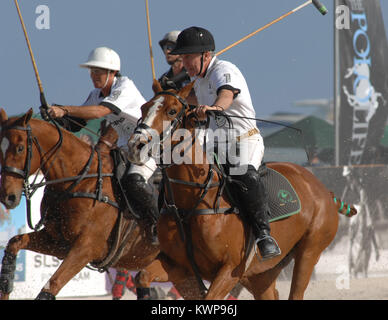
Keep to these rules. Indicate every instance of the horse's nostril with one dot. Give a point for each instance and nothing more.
(11, 198)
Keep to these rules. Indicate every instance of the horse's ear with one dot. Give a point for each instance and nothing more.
(156, 86)
(27, 117)
(185, 91)
(3, 116)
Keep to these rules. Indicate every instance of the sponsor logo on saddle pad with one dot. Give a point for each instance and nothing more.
(285, 197)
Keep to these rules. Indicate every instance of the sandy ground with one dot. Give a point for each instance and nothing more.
(336, 289)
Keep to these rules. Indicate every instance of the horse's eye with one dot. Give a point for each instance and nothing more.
(19, 149)
(172, 112)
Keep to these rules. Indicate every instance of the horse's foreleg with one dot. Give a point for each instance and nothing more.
(8, 267)
(85, 249)
(35, 241)
(223, 283)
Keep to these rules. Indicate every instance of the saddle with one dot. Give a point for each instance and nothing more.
(120, 168)
(283, 201)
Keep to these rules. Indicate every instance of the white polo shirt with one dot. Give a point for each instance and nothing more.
(223, 74)
(125, 101)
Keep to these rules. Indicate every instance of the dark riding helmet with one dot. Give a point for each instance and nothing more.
(194, 40)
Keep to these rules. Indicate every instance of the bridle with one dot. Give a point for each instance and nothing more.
(30, 188)
(24, 174)
(175, 123)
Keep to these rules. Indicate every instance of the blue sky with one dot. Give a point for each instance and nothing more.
(292, 60)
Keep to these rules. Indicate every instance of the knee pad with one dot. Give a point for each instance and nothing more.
(136, 185)
(251, 179)
(141, 196)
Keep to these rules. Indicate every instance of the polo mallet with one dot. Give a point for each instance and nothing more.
(322, 9)
(44, 106)
(149, 40)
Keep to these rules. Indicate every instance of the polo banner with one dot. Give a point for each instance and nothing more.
(362, 50)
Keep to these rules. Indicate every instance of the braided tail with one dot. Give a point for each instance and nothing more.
(343, 207)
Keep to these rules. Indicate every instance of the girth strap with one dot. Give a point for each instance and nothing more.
(183, 213)
(70, 195)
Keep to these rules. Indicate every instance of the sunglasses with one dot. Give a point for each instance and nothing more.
(168, 47)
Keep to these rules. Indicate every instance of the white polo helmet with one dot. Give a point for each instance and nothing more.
(103, 57)
(169, 37)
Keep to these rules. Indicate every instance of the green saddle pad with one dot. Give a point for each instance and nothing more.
(283, 200)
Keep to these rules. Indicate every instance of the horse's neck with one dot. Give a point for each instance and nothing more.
(59, 161)
(192, 164)
(189, 150)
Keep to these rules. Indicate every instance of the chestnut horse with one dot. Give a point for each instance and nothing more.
(220, 241)
(81, 215)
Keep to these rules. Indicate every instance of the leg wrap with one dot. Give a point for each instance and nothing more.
(130, 284)
(7, 272)
(119, 285)
(43, 295)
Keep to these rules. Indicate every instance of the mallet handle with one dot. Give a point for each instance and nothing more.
(149, 40)
(44, 106)
(316, 3)
(30, 50)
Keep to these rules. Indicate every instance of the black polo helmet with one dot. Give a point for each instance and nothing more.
(194, 40)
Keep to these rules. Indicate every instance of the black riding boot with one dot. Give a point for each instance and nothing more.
(143, 201)
(253, 200)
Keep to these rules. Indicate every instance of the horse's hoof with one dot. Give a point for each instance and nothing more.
(143, 293)
(43, 295)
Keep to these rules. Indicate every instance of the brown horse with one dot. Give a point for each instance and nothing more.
(220, 241)
(81, 216)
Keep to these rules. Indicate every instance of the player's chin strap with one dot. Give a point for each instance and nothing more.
(106, 81)
(200, 70)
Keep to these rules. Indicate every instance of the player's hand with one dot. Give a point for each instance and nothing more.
(57, 112)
